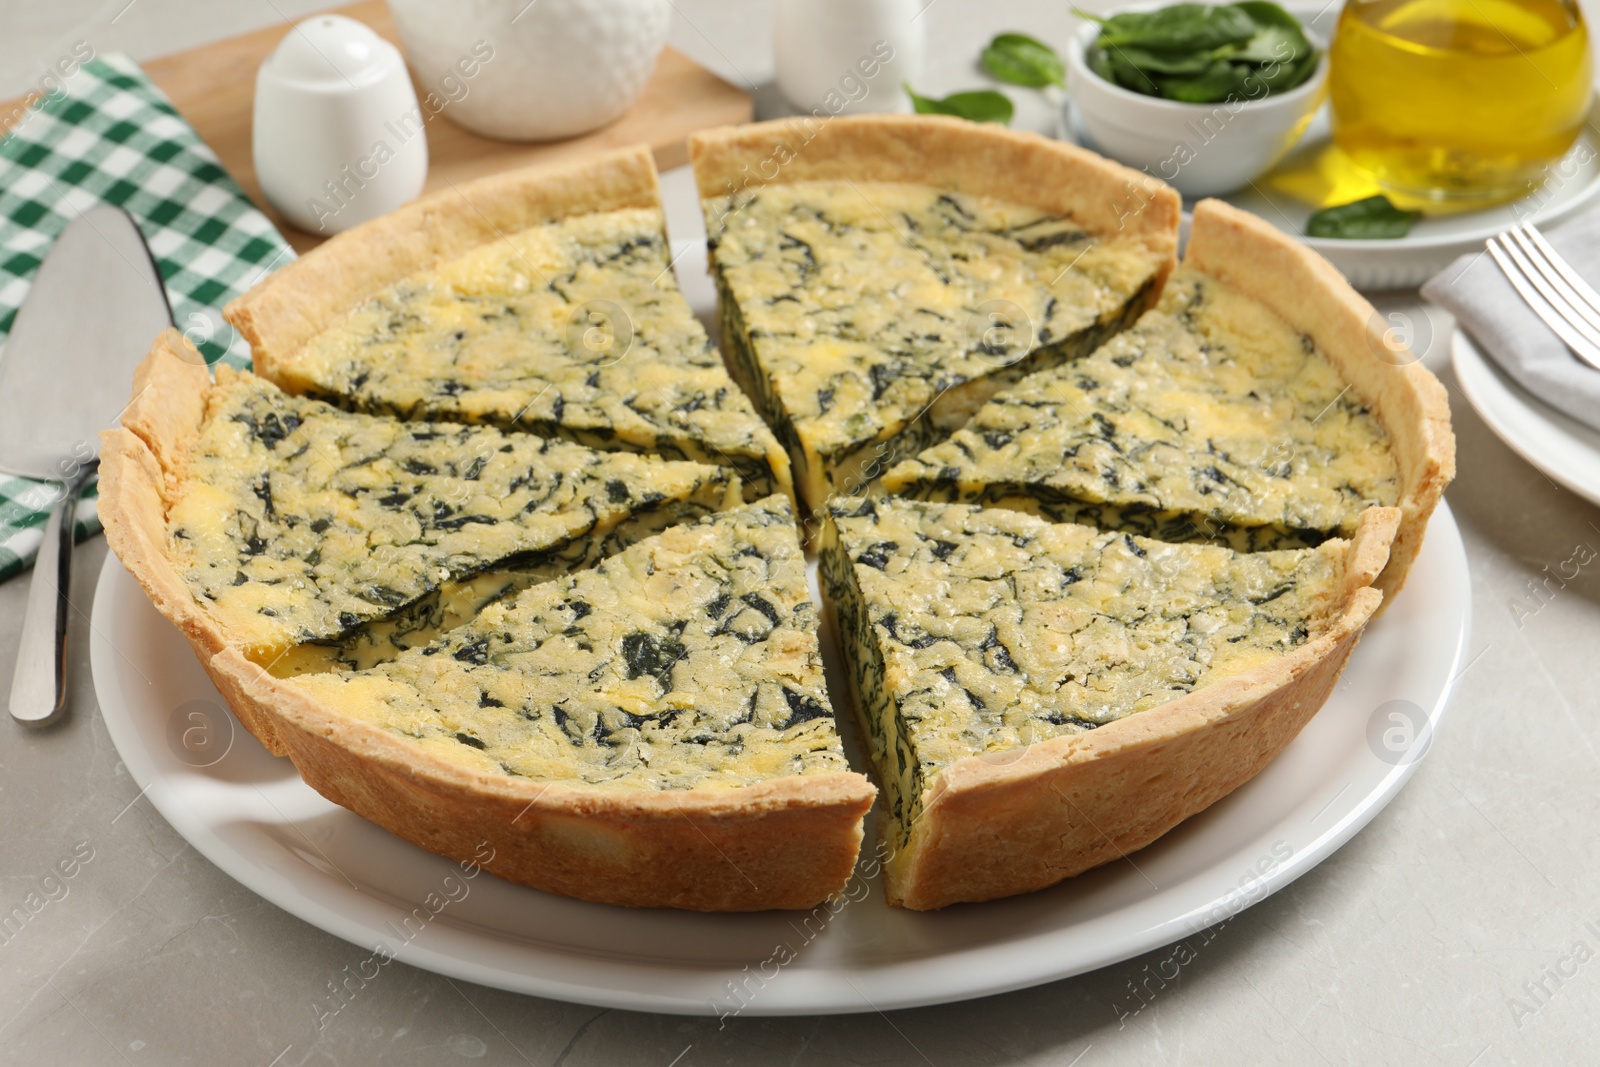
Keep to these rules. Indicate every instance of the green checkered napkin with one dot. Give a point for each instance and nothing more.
(111, 136)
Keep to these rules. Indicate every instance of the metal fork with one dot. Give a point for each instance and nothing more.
(1548, 284)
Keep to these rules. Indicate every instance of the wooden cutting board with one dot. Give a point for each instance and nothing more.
(213, 86)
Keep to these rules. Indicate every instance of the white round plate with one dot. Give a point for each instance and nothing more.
(1557, 444)
(1433, 242)
(252, 816)
(1573, 185)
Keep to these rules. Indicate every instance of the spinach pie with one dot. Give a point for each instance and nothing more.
(1042, 698)
(889, 276)
(540, 300)
(497, 548)
(653, 731)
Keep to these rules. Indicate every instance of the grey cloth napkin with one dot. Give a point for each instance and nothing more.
(1475, 291)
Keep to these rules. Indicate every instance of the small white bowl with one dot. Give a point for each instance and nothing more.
(1199, 149)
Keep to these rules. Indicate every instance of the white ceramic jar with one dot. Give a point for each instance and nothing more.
(543, 69)
(838, 57)
(337, 135)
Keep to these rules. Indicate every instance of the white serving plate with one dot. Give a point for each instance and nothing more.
(252, 816)
(1562, 447)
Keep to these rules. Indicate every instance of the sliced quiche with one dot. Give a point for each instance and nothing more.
(880, 277)
(541, 300)
(1259, 406)
(285, 520)
(504, 557)
(1042, 698)
(652, 731)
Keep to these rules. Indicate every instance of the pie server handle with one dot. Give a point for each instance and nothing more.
(39, 686)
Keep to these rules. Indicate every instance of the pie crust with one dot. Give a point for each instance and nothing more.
(1267, 265)
(302, 299)
(782, 843)
(1014, 821)
(947, 153)
(991, 827)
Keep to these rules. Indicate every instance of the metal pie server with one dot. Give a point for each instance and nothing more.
(95, 305)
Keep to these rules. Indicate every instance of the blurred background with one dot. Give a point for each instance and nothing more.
(731, 37)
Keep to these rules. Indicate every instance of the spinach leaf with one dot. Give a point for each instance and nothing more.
(1129, 76)
(1022, 60)
(1281, 77)
(1153, 62)
(1272, 44)
(1186, 27)
(1215, 84)
(1204, 53)
(1100, 64)
(1308, 67)
(978, 105)
(1372, 218)
(1265, 13)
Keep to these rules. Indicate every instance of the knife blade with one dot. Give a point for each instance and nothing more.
(95, 305)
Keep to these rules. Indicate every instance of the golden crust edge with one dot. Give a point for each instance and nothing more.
(1133, 780)
(132, 510)
(300, 300)
(140, 464)
(949, 153)
(1271, 267)
(782, 843)
(167, 402)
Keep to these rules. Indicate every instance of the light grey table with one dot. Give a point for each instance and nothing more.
(1474, 892)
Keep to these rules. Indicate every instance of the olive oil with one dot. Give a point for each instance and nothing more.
(1458, 100)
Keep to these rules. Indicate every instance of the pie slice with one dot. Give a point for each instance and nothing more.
(456, 603)
(541, 300)
(1259, 405)
(281, 519)
(882, 276)
(654, 731)
(1040, 699)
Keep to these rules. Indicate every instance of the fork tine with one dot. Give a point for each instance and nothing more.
(1552, 296)
(1579, 346)
(1549, 263)
(1587, 298)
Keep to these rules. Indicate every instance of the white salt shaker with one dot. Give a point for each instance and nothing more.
(338, 135)
(848, 56)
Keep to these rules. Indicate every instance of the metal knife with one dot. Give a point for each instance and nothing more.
(95, 305)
